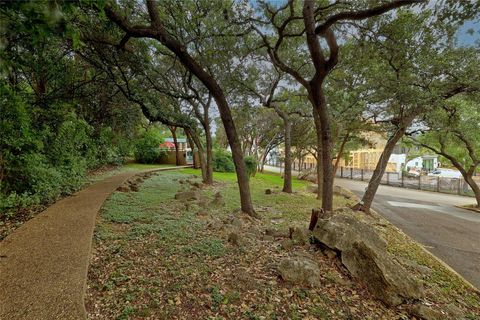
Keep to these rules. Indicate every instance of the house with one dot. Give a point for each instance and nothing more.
(368, 158)
(186, 153)
(276, 158)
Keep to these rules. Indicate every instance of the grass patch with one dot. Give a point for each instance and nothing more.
(283, 209)
(211, 247)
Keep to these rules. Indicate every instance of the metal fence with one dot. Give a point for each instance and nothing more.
(422, 182)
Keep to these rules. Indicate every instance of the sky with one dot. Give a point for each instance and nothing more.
(466, 39)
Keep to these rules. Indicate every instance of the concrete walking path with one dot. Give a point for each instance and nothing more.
(44, 263)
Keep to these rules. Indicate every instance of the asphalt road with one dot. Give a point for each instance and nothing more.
(452, 234)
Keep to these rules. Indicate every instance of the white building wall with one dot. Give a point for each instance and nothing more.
(398, 159)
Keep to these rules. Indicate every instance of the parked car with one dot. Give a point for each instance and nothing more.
(445, 173)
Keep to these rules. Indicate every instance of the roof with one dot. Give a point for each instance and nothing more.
(167, 144)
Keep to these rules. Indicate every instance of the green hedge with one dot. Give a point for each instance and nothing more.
(147, 148)
(43, 159)
(222, 161)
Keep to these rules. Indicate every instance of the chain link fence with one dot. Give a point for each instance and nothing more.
(421, 182)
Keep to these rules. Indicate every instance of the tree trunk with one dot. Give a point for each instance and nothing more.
(327, 188)
(287, 181)
(209, 146)
(474, 186)
(192, 146)
(158, 32)
(173, 130)
(367, 199)
(324, 152)
(201, 152)
(340, 151)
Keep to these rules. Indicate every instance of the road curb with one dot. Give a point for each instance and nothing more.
(468, 208)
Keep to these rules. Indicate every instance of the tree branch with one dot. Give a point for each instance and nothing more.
(363, 14)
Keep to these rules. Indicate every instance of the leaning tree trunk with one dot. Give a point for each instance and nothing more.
(367, 199)
(467, 175)
(474, 186)
(340, 152)
(157, 31)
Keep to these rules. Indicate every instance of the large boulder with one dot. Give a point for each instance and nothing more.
(364, 254)
(341, 230)
(300, 270)
(218, 200)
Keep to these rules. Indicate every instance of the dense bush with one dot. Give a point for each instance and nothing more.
(40, 163)
(147, 148)
(222, 161)
(58, 117)
(251, 165)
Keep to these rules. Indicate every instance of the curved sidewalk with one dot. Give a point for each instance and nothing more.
(44, 263)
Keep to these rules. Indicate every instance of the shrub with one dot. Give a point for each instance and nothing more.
(251, 165)
(147, 148)
(222, 161)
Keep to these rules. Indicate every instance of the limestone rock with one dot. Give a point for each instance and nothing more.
(341, 231)
(233, 238)
(236, 222)
(387, 279)
(339, 191)
(187, 195)
(267, 237)
(299, 236)
(300, 270)
(364, 255)
(287, 244)
(218, 200)
(455, 312)
(201, 214)
(196, 184)
(313, 188)
(123, 189)
(330, 253)
(423, 270)
(426, 313)
(276, 233)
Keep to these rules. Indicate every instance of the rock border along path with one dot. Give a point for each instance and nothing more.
(44, 263)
